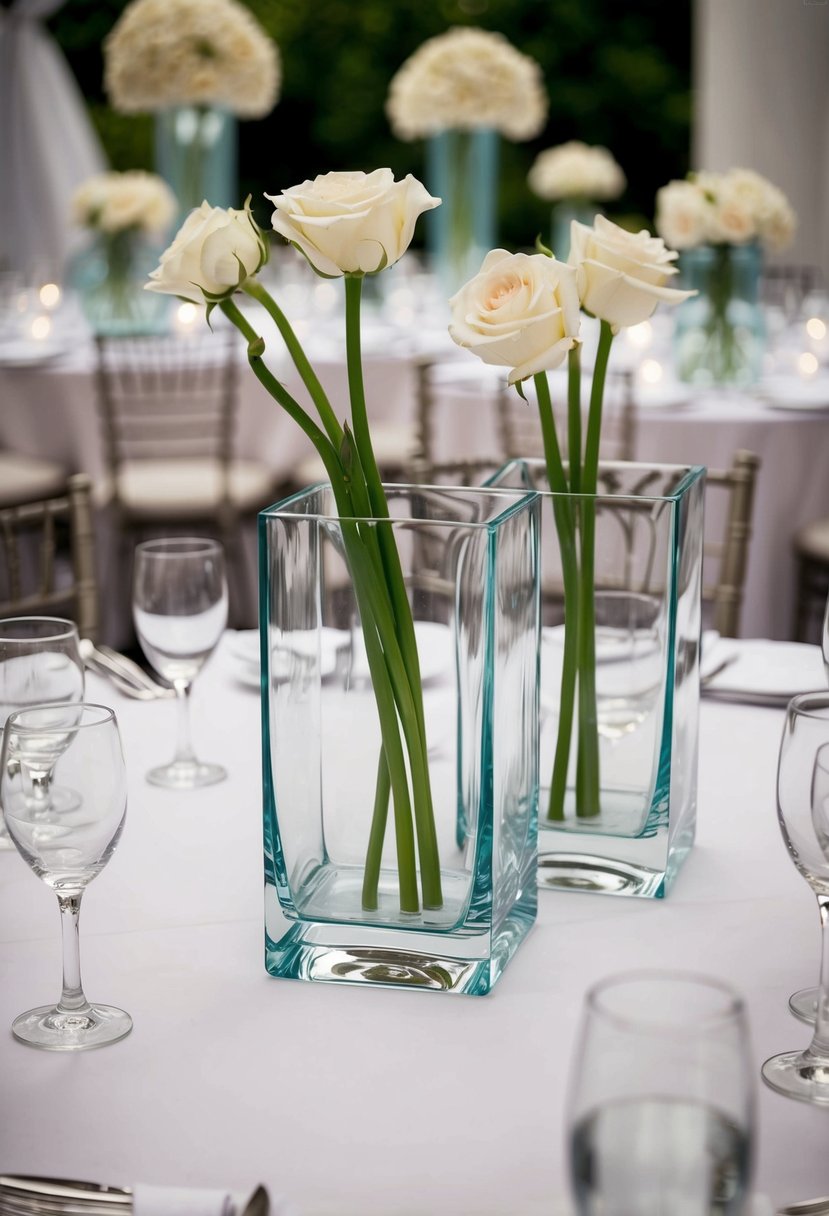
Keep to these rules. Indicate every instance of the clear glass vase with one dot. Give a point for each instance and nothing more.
(719, 334)
(563, 213)
(469, 560)
(196, 152)
(462, 170)
(109, 275)
(631, 836)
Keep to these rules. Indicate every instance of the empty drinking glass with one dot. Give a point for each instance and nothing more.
(67, 848)
(179, 604)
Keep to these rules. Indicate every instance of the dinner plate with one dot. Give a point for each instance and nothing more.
(434, 648)
(791, 393)
(244, 647)
(780, 669)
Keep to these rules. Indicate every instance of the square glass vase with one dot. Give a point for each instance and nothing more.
(628, 832)
(469, 562)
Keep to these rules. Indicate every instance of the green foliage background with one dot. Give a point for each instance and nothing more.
(617, 73)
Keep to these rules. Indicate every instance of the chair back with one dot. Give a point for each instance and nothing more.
(729, 508)
(47, 557)
(167, 398)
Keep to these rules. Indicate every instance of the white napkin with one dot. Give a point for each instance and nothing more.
(778, 668)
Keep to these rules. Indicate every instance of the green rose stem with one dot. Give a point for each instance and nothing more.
(587, 766)
(722, 340)
(371, 608)
(563, 516)
(409, 691)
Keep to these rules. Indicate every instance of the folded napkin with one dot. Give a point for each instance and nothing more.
(762, 668)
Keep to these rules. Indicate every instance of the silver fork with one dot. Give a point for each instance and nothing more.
(127, 676)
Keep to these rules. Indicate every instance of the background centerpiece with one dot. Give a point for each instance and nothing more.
(722, 223)
(128, 216)
(198, 65)
(576, 178)
(462, 91)
(367, 590)
(621, 586)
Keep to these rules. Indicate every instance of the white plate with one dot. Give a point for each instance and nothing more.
(779, 668)
(791, 393)
(244, 646)
(434, 647)
(24, 353)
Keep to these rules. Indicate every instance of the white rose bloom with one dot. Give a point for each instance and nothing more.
(464, 79)
(520, 311)
(576, 170)
(683, 215)
(351, 223)
(621, 274)
(212, 254)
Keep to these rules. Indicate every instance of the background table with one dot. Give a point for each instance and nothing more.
(353, 1101)
(49, 410)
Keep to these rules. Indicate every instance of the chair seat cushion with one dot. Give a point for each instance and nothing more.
(185, 488)
(26, 478)
(813, 540)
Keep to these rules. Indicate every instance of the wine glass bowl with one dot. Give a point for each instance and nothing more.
(40, 661)
(179, 604)
(803, 817)
(661, 1101)
(66, 846)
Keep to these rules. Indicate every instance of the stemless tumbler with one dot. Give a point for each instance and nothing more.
(661, 1105)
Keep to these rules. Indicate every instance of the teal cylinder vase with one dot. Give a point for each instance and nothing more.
(108, 277)
(196, 152)
(563, 214)
(334, 860)
(719, 334)
(462, 169)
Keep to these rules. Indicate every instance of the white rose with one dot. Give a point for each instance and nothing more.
(621, 274)
(683, 215)
(520, 311)
(351, 223)
(734, 216)
(212, 254)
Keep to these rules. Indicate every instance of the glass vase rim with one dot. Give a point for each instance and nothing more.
(69, 630)
(107, 714)
(732, 1007)
(517, 498)
(692, 474)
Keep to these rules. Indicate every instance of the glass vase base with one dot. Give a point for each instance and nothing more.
(390, 957)
(803, 1005)
(599, 875)
(796, 1074)
(186, 775)
(54, 1029)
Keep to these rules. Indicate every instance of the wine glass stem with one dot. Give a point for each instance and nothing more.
(184, 747)
(72, 997)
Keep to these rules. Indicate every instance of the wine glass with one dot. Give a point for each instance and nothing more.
(803, 815)
(179, 604)
(66, 847)
(661, 1100)
(803, 1003)
(40, 660)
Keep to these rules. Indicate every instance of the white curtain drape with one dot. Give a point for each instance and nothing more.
(47, 142)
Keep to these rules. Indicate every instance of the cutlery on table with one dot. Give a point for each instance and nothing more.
(33, 1196)
(127, 675)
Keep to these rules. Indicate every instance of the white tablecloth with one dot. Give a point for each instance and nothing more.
(353, 1101)
(49, 410)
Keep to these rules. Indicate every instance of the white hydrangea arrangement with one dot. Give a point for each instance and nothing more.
(576, 170)
(730, 208)
(134, 201)
(464, 79)
(163, 53)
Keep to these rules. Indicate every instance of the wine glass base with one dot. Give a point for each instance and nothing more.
(56, 1030)
(797, 1075)
(803, 1005)
(186, 775)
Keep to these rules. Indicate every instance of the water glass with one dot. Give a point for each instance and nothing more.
(661, 1103)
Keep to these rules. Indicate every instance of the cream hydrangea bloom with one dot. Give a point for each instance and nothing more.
(724, 208)
(163, 53)
(576, 170)
(464, 79)
(114, 202)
